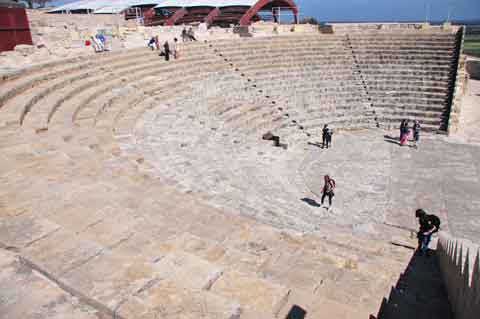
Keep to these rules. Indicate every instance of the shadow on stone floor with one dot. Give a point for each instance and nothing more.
(419, 293)
(389, 139)
(316, 144)
(311, 202)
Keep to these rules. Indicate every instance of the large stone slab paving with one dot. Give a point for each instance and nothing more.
(163, 298)
(188, 271)
(110, 278)
(255, 293)
(62, 252)
(24, 230)
(320, 307)
(27, 294)
(441, 177)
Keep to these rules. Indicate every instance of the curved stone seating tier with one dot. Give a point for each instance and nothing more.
(296, 79)
(25, 79)
(157, 72)
(32, 95)
(42, 112)
(377, 64)
(432, 53)
(393, 67)
(61, 63)
(96, 84)
(322, 70)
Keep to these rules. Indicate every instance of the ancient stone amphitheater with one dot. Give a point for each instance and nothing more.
(138, 188)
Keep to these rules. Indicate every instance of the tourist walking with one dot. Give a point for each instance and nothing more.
(416, 133)
(191, 34)
(328, 190)
(174, 49)
(402, 128)
(429, 224)
(166, 51)
(405, 133)
(184, 35)
(326, 136)
(151, 44)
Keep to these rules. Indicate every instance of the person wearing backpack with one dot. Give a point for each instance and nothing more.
(328, 190)
(429, 224)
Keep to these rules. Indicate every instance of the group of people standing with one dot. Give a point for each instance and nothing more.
(405, 132)
(171, 47)
(188, 35)
(167, 49)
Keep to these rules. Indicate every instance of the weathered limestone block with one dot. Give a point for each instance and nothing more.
(62, 252)
(188, 271)
(25, 49)
(163, 298)
(24, 230)
(260, 295)
(27, 294)
(110, 277)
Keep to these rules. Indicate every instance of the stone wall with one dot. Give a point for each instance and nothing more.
(473, 69)
(458, 91)
(394, 27)
(460, 266)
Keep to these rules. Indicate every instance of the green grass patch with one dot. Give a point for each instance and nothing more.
(471, 46)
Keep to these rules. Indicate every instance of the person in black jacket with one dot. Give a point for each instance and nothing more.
(326, 136)
(429, 224)
(166, 50)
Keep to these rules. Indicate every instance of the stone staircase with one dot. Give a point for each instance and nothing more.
(141, 256)
(419, 293)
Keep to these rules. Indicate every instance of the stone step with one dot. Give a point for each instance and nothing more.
(60, 64)
(80, 276)
(27, 79)
(87, 99)
(27, 293)
(29, 98)
(40, 113)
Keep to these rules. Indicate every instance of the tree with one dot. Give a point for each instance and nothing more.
(309, 20)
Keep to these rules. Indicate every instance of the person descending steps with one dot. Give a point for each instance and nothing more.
(429, 224)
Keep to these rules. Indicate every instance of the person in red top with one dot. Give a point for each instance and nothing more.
(328, 190)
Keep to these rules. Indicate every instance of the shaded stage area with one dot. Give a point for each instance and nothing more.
(419, 292)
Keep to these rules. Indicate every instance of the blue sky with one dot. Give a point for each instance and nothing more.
(389, 10)
(386, 10)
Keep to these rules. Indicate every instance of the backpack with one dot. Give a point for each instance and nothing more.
(435, 221)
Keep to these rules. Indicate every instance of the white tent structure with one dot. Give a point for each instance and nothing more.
(171, 12)
(102, 6)
(206, 3)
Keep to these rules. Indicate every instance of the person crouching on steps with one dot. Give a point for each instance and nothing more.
(328, 190)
